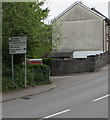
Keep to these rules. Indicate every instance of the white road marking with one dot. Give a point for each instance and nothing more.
(57, 114)
(101, 98)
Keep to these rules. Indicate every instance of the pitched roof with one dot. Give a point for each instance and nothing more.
(76, 3)
(106, 19)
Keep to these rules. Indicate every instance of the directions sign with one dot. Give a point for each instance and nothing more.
(17, 45)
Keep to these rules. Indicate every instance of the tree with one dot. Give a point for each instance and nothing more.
(25, 19)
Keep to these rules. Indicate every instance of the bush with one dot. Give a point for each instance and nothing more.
(36, 74)
(40, 73)
(9, 84)
(6, 71)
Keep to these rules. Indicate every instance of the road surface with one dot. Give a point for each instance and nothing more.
(84, 99)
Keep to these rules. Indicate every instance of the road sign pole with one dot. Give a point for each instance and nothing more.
(25, 72)
(17, 45)
(12, 66)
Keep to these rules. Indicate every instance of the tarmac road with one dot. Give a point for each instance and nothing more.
(84, 99)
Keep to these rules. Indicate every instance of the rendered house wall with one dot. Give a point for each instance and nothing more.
(80, 30)
(78, 13)
(81, 35)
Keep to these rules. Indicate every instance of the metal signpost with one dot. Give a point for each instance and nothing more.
(12, 66)
(18, 45)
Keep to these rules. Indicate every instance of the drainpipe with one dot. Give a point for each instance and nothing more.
(103, 35)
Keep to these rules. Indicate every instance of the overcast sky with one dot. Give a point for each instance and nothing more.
(58, 6)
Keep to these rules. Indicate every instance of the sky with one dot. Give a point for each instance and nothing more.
(58, 6)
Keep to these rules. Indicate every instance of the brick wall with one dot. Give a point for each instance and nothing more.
(78, 65)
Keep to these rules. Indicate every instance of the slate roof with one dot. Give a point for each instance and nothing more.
(61, 55)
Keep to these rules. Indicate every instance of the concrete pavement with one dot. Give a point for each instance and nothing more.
(26, 92)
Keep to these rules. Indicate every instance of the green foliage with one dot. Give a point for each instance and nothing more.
(25, 19)
(40, 73)
(6, 71)
(36, 75)
(8, 84)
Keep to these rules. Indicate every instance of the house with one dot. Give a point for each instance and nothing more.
(81, 29)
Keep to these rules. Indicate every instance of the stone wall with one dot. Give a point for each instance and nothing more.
(78, 65)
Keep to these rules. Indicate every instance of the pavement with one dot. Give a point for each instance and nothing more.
(25, 92)
(57, 81)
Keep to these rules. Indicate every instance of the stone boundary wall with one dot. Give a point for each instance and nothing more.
(78, 65)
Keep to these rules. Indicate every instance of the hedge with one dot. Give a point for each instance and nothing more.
(39, 72)
(36, 74)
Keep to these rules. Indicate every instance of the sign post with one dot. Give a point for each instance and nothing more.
(12, 66)
(18, 45)
(25, 71)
